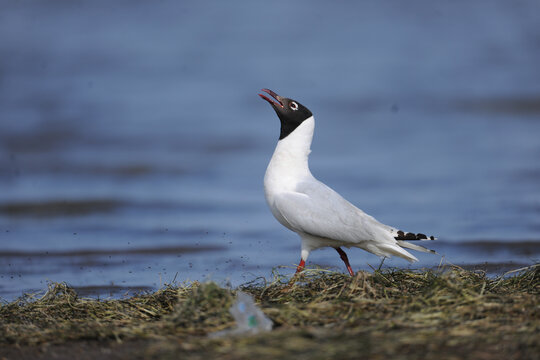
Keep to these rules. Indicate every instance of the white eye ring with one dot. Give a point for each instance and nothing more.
(293, 106)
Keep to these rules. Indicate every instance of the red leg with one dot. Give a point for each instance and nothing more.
(295, 277)
(345, 259)
(300, 266)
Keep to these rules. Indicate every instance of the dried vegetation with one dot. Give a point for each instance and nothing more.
(448, 313)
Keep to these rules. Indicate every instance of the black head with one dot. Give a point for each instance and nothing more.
(290, 112)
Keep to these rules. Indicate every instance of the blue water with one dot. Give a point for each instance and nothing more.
(133, 143)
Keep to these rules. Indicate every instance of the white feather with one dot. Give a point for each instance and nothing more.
(317, 213)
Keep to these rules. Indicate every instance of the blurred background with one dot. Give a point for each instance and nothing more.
(133, 144)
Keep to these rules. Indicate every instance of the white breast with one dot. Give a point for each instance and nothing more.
(289, 165)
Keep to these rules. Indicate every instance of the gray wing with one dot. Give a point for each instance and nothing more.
(316, 209)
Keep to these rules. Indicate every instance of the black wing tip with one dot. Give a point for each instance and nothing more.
(410, 236)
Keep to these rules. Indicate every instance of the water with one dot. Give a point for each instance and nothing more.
(133, 144)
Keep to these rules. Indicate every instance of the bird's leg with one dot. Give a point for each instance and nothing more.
(345, 259)
(382, 261)
(300, 266)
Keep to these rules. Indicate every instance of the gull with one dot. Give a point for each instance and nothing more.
(318, 214)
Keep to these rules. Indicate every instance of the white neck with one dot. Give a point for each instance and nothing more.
(289, 163)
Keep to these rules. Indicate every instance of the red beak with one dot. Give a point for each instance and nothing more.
(274, 95)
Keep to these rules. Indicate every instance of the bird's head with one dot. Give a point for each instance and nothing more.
(290, 112)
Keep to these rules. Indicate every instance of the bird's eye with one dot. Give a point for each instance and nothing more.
(293, 105)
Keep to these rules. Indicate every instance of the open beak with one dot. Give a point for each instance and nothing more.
(277, 102)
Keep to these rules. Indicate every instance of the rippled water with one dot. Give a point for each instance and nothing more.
(133, 144)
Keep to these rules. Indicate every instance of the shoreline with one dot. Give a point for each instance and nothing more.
(403, 314)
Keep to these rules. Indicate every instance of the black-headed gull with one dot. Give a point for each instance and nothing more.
(314, 211)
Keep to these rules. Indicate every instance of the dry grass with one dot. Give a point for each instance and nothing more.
(392, 313)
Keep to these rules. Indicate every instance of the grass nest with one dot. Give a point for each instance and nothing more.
(404, 314)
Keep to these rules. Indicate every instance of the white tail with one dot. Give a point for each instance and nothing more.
(415, 247)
